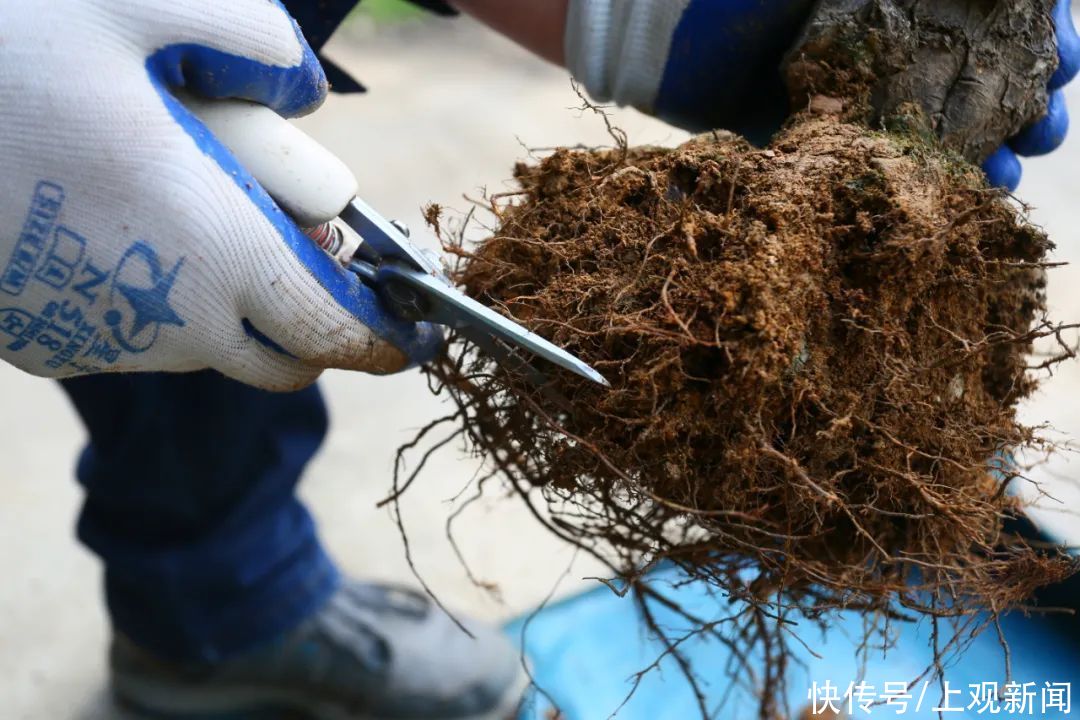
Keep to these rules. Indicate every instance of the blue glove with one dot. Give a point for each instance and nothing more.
(698, 64)
(1003, 167)
(703, 64)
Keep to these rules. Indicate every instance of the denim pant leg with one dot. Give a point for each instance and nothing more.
(190, 503)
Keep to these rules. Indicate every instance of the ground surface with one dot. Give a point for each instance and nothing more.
(447, 108)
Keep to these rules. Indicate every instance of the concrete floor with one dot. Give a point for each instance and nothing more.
(450, 110)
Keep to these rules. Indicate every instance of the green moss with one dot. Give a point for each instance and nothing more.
(910, 127)
(910, 131)
(855, 44)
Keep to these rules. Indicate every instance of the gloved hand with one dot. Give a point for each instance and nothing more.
(1003, 167)
(698, 64)
(134, 240)
(703, 64)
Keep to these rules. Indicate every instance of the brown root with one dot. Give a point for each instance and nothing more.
(815, 351)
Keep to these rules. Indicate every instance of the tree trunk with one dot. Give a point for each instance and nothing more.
(976, 69)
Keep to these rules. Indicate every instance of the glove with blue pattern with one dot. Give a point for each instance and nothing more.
(133, 239)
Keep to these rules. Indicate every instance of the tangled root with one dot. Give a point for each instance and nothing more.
(815, 353)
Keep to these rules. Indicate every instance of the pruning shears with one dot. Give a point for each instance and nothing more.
(312, 184)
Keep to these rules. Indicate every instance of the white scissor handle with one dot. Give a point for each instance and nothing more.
(308, 181)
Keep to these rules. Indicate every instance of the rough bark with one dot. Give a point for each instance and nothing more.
(976, 69)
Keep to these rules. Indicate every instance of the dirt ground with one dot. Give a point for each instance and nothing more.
(451, 108)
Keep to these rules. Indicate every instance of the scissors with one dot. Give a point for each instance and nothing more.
(310, 183)
(413, 286)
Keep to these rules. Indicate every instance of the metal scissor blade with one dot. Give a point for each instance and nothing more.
(454, 309)
(499, 352)
(513, 362)
(384, 237)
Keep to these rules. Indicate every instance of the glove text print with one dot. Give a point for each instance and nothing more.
(136, 292)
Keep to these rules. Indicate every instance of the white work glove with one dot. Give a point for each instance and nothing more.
(132, 238)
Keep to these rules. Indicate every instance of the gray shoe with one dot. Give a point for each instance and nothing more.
(372, 653)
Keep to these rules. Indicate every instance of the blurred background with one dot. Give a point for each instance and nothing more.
(450, 108)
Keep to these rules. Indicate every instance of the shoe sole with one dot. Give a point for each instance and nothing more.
(164, 701)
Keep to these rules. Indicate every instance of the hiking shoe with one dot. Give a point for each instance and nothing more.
(373, 652)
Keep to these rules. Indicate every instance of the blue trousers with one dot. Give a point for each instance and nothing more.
(190, 487)
(190, 503)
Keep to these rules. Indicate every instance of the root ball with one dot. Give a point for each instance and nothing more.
(815, 351)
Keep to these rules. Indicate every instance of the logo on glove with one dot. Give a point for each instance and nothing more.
(142, 287)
